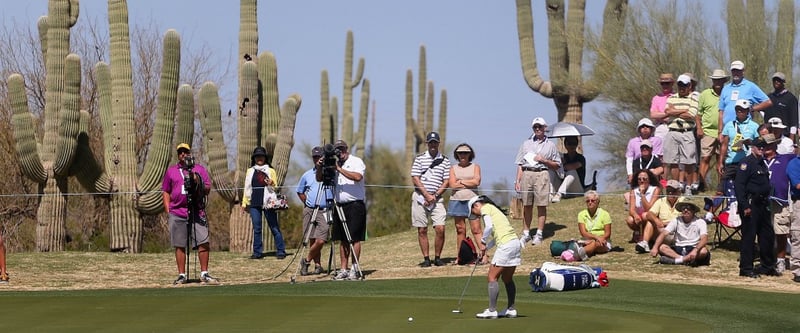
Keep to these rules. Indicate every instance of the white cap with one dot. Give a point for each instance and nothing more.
(743, 103)
(776, 122)
(539, 121)
(645, 122)
(738, 64)
(472, 201)
(684, 79)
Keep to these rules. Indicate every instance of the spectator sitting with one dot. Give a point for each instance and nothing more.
(594, 224)
(691, 236)
(662, 211)
(645, 195)
(645, 130)
(568, 180)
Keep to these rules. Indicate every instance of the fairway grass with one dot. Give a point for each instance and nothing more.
(385, 305)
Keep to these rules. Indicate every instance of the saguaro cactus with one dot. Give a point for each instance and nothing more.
(567, 86)
(261, 122)
(417, 129)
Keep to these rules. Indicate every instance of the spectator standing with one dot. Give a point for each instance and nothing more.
(708, 129)
(3, 271)
(680, 149)
(735, 142)
(633, 151)
(793, 172)
(658, 104)
(784, 105)
(350, 193)
(314, 197)
(779, 203)
(740, 88)
(535, 157)
(430, 174)
(465, 177)
(259, 180)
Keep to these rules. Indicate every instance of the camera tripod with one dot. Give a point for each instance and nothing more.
(190, 187)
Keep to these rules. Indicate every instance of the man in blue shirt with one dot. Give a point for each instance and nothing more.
(314, 198)
(740, 88)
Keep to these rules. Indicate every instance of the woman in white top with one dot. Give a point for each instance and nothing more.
(465, 177)
(643, 196)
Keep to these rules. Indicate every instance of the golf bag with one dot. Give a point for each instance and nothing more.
(556, 277)
(466, 252)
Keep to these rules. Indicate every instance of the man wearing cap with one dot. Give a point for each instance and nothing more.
(779, 203)
(535, 157)
(176, 197)
(660, 213)
(430, 174)
(349, 194)
(691, 236)
(784, 105)
(776, 127)
(659, 103)
(680, 151)
(647, 161)
(735, 143)
(633, 151)
(740, 88)
(316, 200)
(708, 119)
(753, 190)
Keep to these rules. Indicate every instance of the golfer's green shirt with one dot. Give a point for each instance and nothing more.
(497, 225)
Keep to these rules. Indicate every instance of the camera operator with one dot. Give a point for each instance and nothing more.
(314, 196)
(349, 193)
(184, 181)
(430, 174)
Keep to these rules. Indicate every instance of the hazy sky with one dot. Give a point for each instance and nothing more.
(472, 51)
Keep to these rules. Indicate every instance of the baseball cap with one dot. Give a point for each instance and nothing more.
(674, 184)
(776, 122)
(684, 79)
(340, 144)
(539, 121)
(779, 75)
(666, 77)
(691, 76)
(718, 74)
(183, 146)
(645, 122)
(646, 142)
(433, 136)
(737, 64)
(316, 151)
(743, 103)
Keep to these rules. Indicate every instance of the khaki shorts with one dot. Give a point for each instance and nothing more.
(420, 214)
(320, 230)
(679, 148)
(709, 146)
(535, 188)
(781, 219)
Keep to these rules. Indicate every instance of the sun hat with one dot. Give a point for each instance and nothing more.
(666, 78)
(685, 204)
(718, 74)
(645, 122)
(463, 149)
(776, 122)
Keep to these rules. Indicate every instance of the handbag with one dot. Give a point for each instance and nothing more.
(275, 201)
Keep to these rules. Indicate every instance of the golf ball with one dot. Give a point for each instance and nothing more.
(410, 319)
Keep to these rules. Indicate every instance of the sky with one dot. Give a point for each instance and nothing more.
(472, 51)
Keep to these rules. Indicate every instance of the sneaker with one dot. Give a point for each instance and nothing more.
(4, 278)
(207, 278)
(354, 275)
(642, 247)
(317, 270)
(425, 263)
(796, 278)
(304, 267)
(438, 262)
(687, 190)
(666, 260)
(343, 274)
(256, 256)
(180, 280)
(280, 256)
(525, 239)
(508, 313)
(537, 239)
(556, 198)
(487, 314)
(695, 188)
(780, 266)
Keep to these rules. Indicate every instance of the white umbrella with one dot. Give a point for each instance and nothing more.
(564, 129)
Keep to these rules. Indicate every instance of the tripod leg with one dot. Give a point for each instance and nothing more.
(343, 221)
(306, 236)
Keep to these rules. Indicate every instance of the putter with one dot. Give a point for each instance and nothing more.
(460, 299)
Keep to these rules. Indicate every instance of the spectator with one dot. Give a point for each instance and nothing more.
(777, 128)
(594, 224)
(3, 271)
(647, 160)
(784, 105)
(679, 143)
(317, 199)
(535, 157)
(658, 104)
(430, 174)
(735, 142)
(753, 188)
(691, 236)
(349, 193)
(740, 88)
(793, 172)
(259, 180)
(779, 203)
(709, 127)
(568, 180)
(465, 177)
(661, 212)
(645, 195)
(633, 151)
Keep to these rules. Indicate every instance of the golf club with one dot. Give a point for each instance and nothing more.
(460, 299)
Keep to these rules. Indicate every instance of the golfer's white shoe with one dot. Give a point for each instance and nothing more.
(508, 313)
(487, 314)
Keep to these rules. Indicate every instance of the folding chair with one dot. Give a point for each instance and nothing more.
(726, 220)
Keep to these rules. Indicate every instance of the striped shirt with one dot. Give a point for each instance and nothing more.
(431, 178)
(688, 103)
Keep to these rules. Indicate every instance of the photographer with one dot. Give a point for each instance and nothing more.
(349, 194)
(430, 174)
(258, 191)
(314, 196)
(184, 181)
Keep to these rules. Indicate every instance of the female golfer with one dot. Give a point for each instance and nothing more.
(498, 231)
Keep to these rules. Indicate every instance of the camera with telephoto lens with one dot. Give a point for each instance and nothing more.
(188, 177)
(330, 155)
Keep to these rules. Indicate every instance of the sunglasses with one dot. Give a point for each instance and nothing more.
(592, 200)
(538, 126)
(645, 179)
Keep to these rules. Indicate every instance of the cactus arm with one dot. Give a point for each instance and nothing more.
(248, 35)
(334, 111)
(325, 124)
(69, 117)
(184, 131)
(410, 138)
(419, 129)
(74, 10)
(557, 45)
(576, 15)
(736, 22)
(785, 36)
(443, 117)
(613, 27)
(285, 140)
(215, 144)
(363, 113)
(24, 131)
(249, 119)
(429, 108)
(85, 167)
(103, 77)
(527, 50)
(41, 25)
(270, 103)
(58, 34)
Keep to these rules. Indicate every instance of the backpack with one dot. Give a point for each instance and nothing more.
(466, 252)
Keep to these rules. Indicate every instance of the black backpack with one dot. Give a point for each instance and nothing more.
(466, 252)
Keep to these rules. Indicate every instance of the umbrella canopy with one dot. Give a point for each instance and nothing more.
(564, 129)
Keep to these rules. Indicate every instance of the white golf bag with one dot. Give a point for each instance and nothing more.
(557, 277)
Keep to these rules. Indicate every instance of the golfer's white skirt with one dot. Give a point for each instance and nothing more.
(508, 254)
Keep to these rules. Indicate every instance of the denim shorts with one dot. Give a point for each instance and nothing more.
(458, 208)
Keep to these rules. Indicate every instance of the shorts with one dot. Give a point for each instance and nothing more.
(508, 254)
(420, 214)
(355, 214)
(458, 208)
(318, 231)
(781, 219)
(709, 146)
(679, 148)
(178, 232)
(682, 250)
(535, 188)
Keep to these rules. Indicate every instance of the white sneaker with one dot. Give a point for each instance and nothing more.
(642, 247)
(537, 239)
(353, 275)
(525, 239)
(508, 313)
(780, 266)
(687, 190)
(556, 198)
(487, 314)
(343, 274)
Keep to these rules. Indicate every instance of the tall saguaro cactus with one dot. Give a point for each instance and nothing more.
(417, 129)
(567, 86)
(261, 121)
